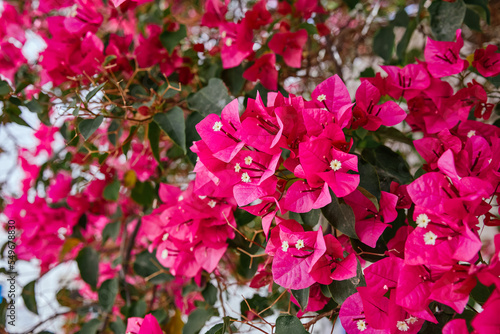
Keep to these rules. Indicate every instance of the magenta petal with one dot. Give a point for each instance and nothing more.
(376, 308)
(300, 197)
(150, 325)
(168, 193)
(351, 312)
(391, 113)
(346, 268)
(292, 272)
(369, 230)
(456, 326)
(335, 94)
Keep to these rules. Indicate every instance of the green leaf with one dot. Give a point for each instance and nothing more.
(107, 294)
(93, 92)
(154, 139)
(368, 177)
(191, 134)
(29, 298)
(118, 326)
(341, 290)
(383, 43)
(481, 7)
(217, 329)
(401, 19)
(138, 309)
(196, 321)
(90, 327)
(481, 292)
(4, 88)
(289, 324)
(390, 166)
(111, 230)
(88, 264)
(257, 303)
(309, 218)
(210, 99)
(309, 27)
(405, 40)
(210, 294)
(112, 191)
(146, 265)
(340, 216)
(114, 132)
(172, 122)
(170, 39)
(446, 18)
(88, 126)
(302, 296)
(472, 20)
(233, 78)
(143, 193)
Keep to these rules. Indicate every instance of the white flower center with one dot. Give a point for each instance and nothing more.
(212, 204)
(229, 42)
(22, 213)
(165, 237)
(164, 254)
(361, 324)
(321, 97)
(181, 198)
(430, 238)
(471, 133)
(385, 287)
(237, 167)
(245, 177)
(411, 320)
(299, 244)
(402, 326)
(224, 34)
(284, 246)
(217, 126)
(248, 160)
(423, 220)
(335, 165)
(202, 197)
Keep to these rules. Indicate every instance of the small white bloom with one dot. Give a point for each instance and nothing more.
(237, 167)
(321, 97)
(224, 34)
(181, 198)
(62, 230)
(245, 177)
(212, 204)
(430, 238)
(361, 324)
(164, 254)
(229, 42)
(217, 126)
(385, 287)
(471, 133)
(402, 326)
(165, 237)
(423, 220)
(22, 213)
(411, 320)
(202, 197)
(248, 160)
(335, 165)
(284, 246)
(299, 244)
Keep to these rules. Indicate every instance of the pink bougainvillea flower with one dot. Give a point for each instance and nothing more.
(370, 221)
(316, 301)
(322, 162)
(353, 317)
(300, 197)
(289, 45)
(264, 70)
(488, 320)
(456, 326)
(11, 58)
(148, 325)
(267, 209)
(407, 82)
(236, 43)
(431, 148)
(60, 186)
(258, 16)
(367, 114)
(221, 134)
(333, 265)
(443, 58)
(487, 61)
(295, 253)
(331, 94)
(214, 13)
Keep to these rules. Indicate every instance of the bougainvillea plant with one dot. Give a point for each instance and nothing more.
(186, 147)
